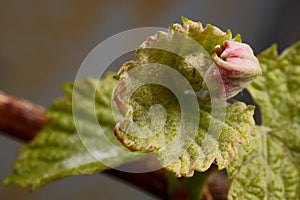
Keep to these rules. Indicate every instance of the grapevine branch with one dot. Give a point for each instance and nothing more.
(22, 120)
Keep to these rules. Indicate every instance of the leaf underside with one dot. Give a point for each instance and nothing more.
(58, 151)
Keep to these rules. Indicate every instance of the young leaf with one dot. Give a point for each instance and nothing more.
(58, 151)
(271, 169)
(183, 152)
(186, 135)
(190, 44)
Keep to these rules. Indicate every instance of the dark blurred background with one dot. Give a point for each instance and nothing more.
(42, 44)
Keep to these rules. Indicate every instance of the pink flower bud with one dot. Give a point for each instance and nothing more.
(237, 64)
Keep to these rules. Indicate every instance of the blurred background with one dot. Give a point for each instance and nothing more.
(42, 44)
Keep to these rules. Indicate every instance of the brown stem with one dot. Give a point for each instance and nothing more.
(22, 120)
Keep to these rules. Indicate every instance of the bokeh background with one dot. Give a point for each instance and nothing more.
(42, 44)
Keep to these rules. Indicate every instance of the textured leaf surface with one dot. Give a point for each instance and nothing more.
(184, 45)
(153, 116)
(271, 169)
(210, 37)
(183, 154)
(57, 151)
(234, 60)
(194, 51)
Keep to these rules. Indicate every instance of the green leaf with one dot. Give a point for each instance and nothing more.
(210, 37)
(160, 115)
(179, 152)
(58, 151)
(204, 56)
(188, 49)
(271, 169)
(263, 172)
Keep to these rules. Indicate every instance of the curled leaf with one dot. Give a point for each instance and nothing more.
(159, 130)
(193, 51)
(162, 114)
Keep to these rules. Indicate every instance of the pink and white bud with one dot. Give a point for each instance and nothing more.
(237, 64)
